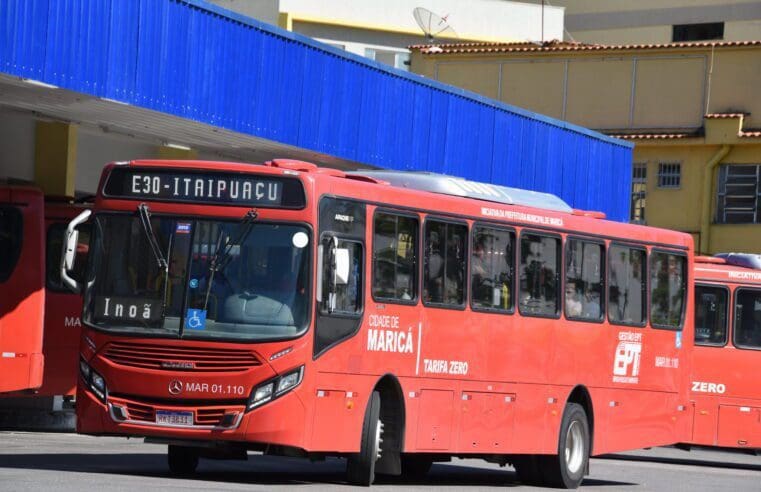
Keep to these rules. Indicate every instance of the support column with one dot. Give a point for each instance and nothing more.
(55, 157)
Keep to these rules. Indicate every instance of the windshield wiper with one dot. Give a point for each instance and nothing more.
(145, 220)
(222, 254)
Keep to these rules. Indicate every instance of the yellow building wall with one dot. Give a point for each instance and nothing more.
(675, 208)
(672, 88)
(630, 35)
(599, 92)
(735, 84)
(480, 78)
(680, 208)
(669, 92)
(537, 84)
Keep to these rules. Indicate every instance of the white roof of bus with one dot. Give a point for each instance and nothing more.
(451, 185)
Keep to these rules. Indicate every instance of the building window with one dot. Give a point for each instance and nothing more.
(639, 192)
(396, 59)
(739, 200)
(698, 32)
(669, 175)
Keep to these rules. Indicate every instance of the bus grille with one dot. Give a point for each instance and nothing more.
(146, 412)
(188, 359)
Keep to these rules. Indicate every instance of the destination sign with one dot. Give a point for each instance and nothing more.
(204, 187)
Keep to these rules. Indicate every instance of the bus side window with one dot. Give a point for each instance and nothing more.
(11, 238)
(626, 286)
(748, 318)
(341, 298)
(54, 248)
(584, 291)
(668, 286)
(395, 245)
(445, 261)
(491, 269)
(540, 275)
(710, 315)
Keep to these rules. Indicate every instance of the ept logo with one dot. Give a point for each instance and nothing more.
(627, 359)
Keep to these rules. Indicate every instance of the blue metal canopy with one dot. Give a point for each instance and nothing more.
(193, 60)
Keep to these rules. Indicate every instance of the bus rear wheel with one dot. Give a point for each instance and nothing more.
(360, 468)
(182, 460)
(567, 468)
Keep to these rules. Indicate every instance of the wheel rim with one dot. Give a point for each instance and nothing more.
(378, 439)
(574, 447)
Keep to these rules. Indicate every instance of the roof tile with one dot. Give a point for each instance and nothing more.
(555, 45)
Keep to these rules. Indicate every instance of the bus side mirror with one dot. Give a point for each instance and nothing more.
(69, 253)
(341, 273)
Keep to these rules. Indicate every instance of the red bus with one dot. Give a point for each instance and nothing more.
(22, 293)
(727, 351)
(39, 317)
(392, 318)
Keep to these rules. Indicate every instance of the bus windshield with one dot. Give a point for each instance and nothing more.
(222, 280)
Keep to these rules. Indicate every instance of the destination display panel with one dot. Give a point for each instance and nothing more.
(203, 187)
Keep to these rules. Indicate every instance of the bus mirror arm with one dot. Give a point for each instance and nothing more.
(69, 254)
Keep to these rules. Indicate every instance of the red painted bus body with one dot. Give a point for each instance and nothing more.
(445, 377)
(40, 318)
(727, 353)
(22, 288)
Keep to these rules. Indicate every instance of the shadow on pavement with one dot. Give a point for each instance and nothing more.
(683, 461)
(265, 470)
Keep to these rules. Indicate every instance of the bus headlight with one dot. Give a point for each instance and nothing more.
(274, 388)
(84, 370)
(93, 381)
(262, 394)
(97, 381)
(290, 380)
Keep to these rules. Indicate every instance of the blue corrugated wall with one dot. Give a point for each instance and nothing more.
(194, 60)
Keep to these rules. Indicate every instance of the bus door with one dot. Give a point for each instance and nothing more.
(22, 295)
(338, 316)
(63, 307)
(739, 400)
(711, 357)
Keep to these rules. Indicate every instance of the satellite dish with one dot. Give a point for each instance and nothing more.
(432, 24)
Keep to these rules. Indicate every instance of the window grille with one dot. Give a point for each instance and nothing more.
(739, 194)
(639, 192)
(669, 175)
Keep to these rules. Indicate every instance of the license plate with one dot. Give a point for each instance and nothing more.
(174, 418)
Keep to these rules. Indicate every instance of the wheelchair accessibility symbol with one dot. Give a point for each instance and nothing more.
(195, 319)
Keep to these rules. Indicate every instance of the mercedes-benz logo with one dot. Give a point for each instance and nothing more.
(175, 387)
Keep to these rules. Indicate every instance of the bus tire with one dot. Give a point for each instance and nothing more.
(416, 465)
(566, 469)
(360, 467)
(182, 460)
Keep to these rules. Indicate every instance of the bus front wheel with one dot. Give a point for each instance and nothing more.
(567, 468)
(360, 468)
(182, 460)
